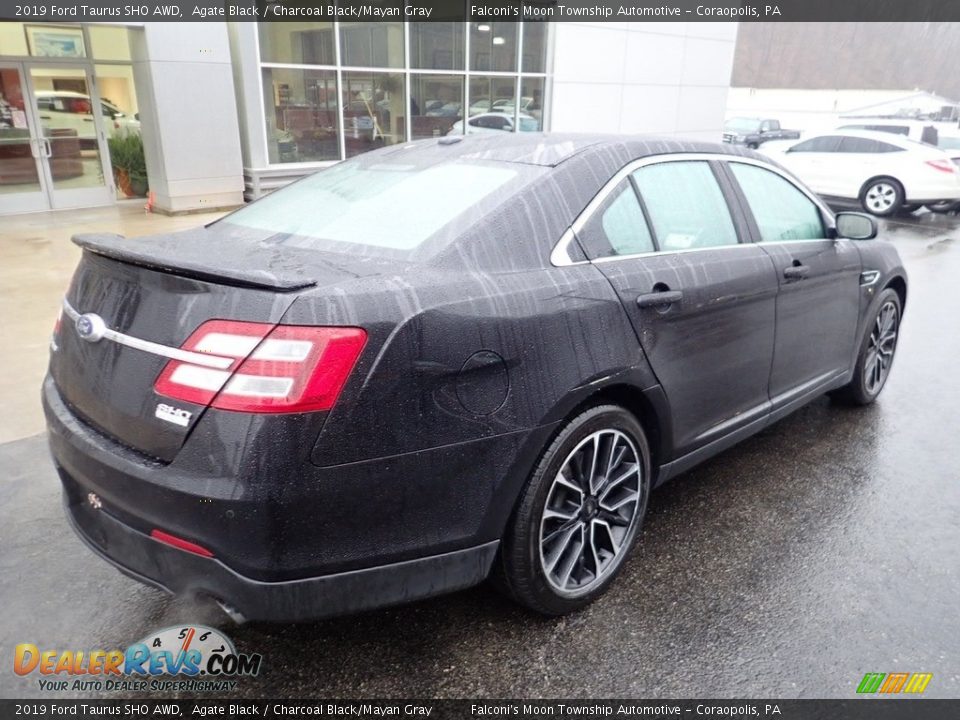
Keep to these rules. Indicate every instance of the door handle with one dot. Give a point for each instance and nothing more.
(659, 298)
(47, 148)
(796, 272)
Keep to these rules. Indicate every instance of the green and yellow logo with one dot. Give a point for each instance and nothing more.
(892, 683)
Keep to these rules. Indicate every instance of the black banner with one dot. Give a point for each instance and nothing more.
(139, 11)
(855, 709)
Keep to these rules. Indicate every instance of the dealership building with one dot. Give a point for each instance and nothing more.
(231, 110)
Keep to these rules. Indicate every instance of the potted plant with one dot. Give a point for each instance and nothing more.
(129, 163)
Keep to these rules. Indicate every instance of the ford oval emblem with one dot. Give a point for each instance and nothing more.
(91, 327)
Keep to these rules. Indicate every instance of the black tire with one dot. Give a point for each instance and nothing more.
(753, 146)
(864, 387)
(521, 570)
(882, 196)
(908, 209)
(944, 207)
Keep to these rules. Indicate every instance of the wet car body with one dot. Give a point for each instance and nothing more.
(475, 355)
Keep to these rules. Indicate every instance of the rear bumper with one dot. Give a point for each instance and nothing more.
(183, 573)
(933, 192)
(289, 540)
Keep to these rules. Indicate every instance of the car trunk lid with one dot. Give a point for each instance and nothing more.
(151, 295)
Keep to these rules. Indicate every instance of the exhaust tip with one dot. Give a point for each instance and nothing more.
(238, 617)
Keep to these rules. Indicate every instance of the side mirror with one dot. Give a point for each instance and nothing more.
(856, 226)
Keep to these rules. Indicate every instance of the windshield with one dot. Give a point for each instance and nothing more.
(385, 206)
(742, 125)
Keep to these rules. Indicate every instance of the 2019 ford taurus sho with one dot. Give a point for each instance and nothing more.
(449, 360)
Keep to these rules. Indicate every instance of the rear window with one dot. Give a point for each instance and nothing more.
(387, 207)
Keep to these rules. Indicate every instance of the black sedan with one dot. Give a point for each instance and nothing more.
(446, 361)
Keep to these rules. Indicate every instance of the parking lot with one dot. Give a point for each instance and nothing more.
(789, 566)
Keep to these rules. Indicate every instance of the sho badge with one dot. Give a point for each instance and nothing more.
(174, 415)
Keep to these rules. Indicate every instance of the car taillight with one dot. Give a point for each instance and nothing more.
(282, 369)
(942, 165)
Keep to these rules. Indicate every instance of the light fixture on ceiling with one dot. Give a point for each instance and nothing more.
(483, 28)
(498, 41)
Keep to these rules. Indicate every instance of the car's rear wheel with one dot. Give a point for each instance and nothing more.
(882, 196)
(944, 207)
(579, 514)
(876, 352)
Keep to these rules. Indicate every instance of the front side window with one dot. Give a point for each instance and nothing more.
(618, 227)
(686, 206)
(823, 143)
(782, 212)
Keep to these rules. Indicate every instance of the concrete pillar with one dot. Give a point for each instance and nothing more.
(188, 114)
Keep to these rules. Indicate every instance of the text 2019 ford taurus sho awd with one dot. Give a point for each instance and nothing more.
(448, 360)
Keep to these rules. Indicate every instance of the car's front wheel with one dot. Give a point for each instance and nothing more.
(579, 514)
(876, 352)
(882, 196)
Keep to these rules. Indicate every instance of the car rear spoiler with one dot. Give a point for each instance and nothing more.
(174, 258)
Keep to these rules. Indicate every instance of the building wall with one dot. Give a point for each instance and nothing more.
(636, 77)
(188, 113)
(850, 56)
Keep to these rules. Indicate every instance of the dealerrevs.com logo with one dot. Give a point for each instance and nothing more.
(893, 683)
(192, 658)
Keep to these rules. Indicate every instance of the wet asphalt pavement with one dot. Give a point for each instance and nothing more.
(824, 548)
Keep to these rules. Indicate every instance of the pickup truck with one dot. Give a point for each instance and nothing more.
(753, 132)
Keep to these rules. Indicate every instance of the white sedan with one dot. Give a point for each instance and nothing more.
(885, 173)
(495, 122)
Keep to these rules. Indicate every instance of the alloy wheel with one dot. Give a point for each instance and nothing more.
(880, 197)
(591, 512)
(880, 348)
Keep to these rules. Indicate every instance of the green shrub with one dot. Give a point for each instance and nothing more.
(126, 153)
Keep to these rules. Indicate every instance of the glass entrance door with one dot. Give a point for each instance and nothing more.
(23, 186)
(69, 116)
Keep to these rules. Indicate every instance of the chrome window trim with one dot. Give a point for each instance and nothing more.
(188, 356)
(560, 255)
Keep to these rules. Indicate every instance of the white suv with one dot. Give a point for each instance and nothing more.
(65, 110)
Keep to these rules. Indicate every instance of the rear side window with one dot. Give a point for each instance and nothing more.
(782, 212)
(859, 145)
(362, 206)
(685, 205)
(618, 227)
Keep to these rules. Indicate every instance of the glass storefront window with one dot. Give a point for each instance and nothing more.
(374, 111)
(436, 46)
(531, 103)
(301, 109)
(367, 44)
(13, 39)
(436, 105)
(298, 43)
(534, 47)
(397, 81)
(493, 46)
(491, 93)
(109, 43)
